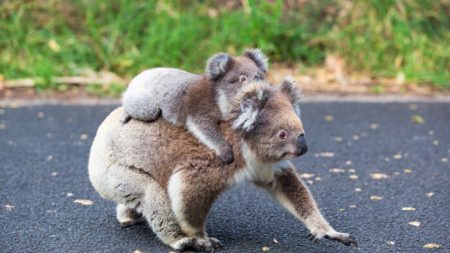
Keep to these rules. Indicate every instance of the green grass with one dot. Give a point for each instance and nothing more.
(41, 39)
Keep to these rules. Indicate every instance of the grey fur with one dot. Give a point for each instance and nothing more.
(258, 57)
(197, 102)
(217, 65)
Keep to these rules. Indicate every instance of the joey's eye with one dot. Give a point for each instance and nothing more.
(282, 134)
(242, 78)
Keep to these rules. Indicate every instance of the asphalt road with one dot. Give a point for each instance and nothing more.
(43, 170)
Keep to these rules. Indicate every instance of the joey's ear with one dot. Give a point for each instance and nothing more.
(218, 65)
(258, 57)
(249, 107)
(290, 88)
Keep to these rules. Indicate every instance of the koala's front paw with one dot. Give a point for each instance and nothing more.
(344, 238)
(226, 155)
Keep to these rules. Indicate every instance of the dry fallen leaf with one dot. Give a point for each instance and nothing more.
(390, 243)
(414, 223)
(338, 139)
(326, 154)
(337, 170)
(408, 208)
(378, 176)
(9, 207)
(84, 202)
(329, 118)
(407, 171)
(306, 175)
(353, 177)
(430, 194)
(265, 249)
(398, 156)
(431, 246)
(416, 118)
(376, 198)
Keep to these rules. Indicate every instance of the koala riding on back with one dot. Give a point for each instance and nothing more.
(197, 102)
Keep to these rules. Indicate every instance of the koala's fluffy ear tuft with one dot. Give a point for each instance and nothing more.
(249, 104)
(218, 65)
(258, 57)
(290, 88)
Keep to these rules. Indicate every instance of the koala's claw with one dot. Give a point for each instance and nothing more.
(313, 238)
(197, 245)
(345, 239)
(216, 243)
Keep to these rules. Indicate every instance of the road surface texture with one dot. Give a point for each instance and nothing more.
(48, 204)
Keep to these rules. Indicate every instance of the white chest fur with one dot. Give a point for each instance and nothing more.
(255, 170)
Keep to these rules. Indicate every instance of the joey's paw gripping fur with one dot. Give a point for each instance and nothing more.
(226, 155)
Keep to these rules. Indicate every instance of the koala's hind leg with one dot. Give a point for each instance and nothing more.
(291, 193)
(191, 205)
(128, 216)
(207, 132)
(157, 210)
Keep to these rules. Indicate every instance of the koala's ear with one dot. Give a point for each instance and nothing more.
(218, 65)
(258, 57)
(290, 88)
(250, 105)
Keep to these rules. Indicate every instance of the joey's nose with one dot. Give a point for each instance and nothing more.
(302, 145)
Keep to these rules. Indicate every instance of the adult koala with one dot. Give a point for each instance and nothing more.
(159, 172)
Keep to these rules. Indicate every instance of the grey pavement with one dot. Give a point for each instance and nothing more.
(43, 171)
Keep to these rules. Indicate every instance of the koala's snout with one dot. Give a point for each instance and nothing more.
(302, 145)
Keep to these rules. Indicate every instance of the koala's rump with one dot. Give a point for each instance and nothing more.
(157, 148)
(158, 89)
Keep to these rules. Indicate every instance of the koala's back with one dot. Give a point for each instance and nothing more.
(158, 89)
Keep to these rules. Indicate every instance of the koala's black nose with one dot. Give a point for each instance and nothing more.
(302, 145)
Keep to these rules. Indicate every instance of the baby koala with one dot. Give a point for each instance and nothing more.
(197, 102)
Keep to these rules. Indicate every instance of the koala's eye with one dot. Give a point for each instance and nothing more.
(282, 134)
(242, 79)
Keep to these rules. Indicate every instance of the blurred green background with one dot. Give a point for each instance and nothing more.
(42, 39)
